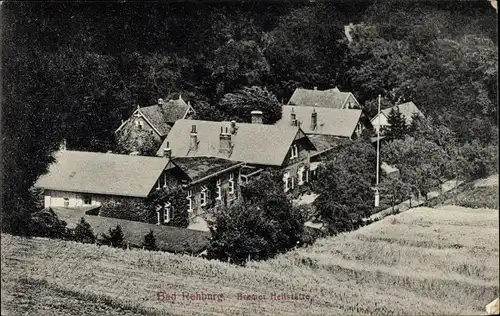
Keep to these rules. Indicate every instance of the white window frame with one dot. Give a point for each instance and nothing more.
(294, 152)
(167, 212)
(286, 176)
(190, 199)
(204, 196)
(231, 183)
(300, 175)
(219, 190)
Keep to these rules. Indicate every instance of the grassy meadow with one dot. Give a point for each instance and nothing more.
(423, 261)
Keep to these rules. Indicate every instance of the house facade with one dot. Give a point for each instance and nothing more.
(82, 179)
(408, 110)
(155, 120)
(258, 146)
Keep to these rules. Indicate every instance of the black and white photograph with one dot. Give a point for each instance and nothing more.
(249, 157)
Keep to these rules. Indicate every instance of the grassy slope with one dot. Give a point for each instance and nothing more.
(424, 261)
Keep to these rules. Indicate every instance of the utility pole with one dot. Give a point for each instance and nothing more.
(377, 196)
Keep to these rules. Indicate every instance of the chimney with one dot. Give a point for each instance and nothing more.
(160, 102)
(225, 141)
(167, 151)
(193, 145)
(256, 117)
(315, 88)
(293, 118)
(314, 119)
(233, 127)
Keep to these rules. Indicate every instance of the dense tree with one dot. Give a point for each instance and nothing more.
(83, 232)
(259, 227)
(397, 128)
(114, 238)
(240, 104)
(72, 74)
(142, 142)
(344, 197)
(149, 242)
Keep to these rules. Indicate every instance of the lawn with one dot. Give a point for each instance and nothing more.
(423, 261)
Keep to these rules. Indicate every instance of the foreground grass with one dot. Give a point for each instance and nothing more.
(424, 261)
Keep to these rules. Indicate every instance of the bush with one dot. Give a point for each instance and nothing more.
(115, 237)
(45, 223)
(128, 210)
(149, 242)
(261, 226)
(83, 232)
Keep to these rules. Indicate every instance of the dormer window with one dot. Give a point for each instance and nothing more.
(294, 152)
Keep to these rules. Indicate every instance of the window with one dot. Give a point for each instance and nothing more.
(204, 195)
(295, 152)
(66, 202)
(167, 212)
(219, 190)
(286, 176)
(138, 123)
(231, 183)
(190, 199)
(87, 199)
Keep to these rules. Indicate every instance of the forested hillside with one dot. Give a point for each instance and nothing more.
(75, 70)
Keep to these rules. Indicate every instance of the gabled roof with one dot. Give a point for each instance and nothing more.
(331, 98)
(252, 143)
(334, 122)
(100, 173)
(408, 109)
(161, 116)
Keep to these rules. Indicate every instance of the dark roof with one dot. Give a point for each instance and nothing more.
(168, 238)
(252, 143)
(324, 142)
(100, 173)
(331, 98)
(407, 109)
(200, 167)
(334, 122)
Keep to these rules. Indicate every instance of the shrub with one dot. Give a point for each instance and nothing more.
(115, 237)
(83, 232)
(128, 210)
(149, 242)
(261, 226)
(45, 223)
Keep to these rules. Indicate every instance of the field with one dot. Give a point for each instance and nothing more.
(423, 261)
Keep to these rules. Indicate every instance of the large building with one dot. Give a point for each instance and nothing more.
(79, 179)
(257, 145)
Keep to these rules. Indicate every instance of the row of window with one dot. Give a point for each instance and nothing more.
(205, 193)
(289, 181)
